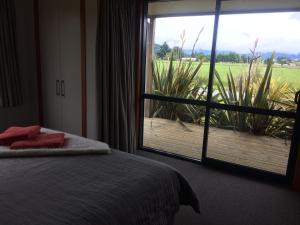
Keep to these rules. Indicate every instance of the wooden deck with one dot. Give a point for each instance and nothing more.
(262, 152)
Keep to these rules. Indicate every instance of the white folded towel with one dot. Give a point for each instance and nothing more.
(74, 145)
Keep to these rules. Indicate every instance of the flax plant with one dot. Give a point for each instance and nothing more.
(178, 78)
(257, 91)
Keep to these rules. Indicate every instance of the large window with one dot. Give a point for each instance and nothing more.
(254, 48)
(221, 86)
(179, 45)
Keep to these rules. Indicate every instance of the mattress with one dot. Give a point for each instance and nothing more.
(72, 142)
(111, 189)
(74, 145)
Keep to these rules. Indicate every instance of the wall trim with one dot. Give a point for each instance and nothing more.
(83, 68)
(38, 60)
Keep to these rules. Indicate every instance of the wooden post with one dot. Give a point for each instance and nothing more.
(149, 60)
(296, 183)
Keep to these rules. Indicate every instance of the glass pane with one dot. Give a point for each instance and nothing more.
(175, 128)
(178, 56)
(258, 60)
(252, 140)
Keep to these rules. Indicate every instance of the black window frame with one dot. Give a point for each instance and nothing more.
(209, 105)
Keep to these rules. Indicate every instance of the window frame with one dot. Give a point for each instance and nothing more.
(209, 105)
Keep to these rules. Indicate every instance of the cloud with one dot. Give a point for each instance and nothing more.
(295, 16)
(173, 42)
(276, 31)
(246, 34)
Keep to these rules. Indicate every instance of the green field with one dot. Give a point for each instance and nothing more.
(290, 75)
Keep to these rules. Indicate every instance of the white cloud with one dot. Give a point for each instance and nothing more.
(172, 28)
(276, 31)
(295, 16)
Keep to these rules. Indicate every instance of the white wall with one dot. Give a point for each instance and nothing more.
(91, 32)
(27, 113)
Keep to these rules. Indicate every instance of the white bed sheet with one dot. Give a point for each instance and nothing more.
(74, 145)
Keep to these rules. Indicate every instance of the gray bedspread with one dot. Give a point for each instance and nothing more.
(113, 189)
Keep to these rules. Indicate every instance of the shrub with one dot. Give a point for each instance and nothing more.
(258, 91)
(177, 79)
(182, 79)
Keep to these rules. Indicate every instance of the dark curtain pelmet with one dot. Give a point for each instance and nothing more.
(10, 84)
(115, 60)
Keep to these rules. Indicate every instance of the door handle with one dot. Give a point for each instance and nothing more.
(297, 97)
(57, 88)
(63, 88)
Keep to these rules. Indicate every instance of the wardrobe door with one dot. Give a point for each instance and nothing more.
(50, 62)
(70, 65)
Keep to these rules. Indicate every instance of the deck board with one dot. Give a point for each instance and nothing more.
(261, 152)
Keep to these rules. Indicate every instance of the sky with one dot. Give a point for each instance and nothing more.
(278, 32)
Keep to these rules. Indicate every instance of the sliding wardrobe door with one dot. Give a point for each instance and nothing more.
(50, 63)
(60, 57)
(70, 65)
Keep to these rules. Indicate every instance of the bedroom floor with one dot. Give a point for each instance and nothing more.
(235, 200)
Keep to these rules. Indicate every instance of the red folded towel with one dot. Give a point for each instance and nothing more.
(41, 141)
(13, 134)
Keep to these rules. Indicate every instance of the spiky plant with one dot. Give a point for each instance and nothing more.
(257, 91)
(177, 78)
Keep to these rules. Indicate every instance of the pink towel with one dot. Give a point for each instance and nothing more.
(56, 140)
(14, 134)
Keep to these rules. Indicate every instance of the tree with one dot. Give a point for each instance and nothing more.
(283, 60)
(156, 49)
(202, 57)
(244, 59)
(164, 49)
(230, 57)
(221, 58)
(234, 57)
(177, 52)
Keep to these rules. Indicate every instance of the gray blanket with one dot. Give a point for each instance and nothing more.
(112, 189)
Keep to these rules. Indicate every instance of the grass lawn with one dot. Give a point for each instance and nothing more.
(290, 75)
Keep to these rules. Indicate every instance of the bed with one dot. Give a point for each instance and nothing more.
(102, 189)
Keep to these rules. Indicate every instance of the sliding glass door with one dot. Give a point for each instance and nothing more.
(220, 87)
(257, 69)
(177, 67)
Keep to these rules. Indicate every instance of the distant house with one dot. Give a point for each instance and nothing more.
(189, 59)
